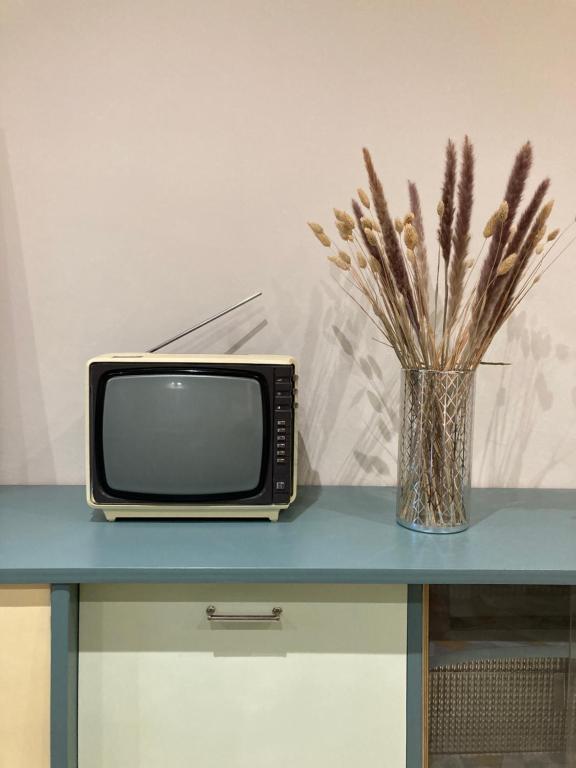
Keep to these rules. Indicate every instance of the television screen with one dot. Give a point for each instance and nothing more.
(182, 434)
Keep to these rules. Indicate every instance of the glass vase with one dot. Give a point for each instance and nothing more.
(434, 450)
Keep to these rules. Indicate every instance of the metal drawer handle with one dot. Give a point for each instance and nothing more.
(213, 616)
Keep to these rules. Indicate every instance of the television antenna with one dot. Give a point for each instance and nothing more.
(206, 322)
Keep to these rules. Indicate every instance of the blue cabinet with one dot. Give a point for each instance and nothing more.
(331, 536)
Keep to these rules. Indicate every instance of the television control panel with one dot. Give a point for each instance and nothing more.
(284, 403)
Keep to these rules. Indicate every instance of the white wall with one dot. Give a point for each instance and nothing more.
(159, 160)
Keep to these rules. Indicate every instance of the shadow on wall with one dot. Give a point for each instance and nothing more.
(25, 449)
(335, 339)
(373, 453)
(523, 395)
(336, 334)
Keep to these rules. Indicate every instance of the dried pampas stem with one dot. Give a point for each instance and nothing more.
(392, 247)
(447, 215)
(462, 231)
(445, 227)
(503, 222)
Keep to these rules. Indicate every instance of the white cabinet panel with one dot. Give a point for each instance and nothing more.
(159, 685)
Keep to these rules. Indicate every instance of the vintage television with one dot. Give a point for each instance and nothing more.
(191, 435)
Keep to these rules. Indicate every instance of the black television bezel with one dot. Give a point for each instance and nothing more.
(101, 493)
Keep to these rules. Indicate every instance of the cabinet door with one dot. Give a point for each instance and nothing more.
(24, 677)
(159, 684)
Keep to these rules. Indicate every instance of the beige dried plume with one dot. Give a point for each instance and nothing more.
(507, 264)
(440, 208)
(316, 228)
(323, 237)
(361, 260)
(488, 230)
(554, 234)
(410, 237)
(371, 237)
(541, 232)
(344, 218)
(498, 217)
(344, 230)
(364, 199)
(336, 259)
(398, 225)
(502, 212)
(375, 265)
(344, 256)
(369, 223)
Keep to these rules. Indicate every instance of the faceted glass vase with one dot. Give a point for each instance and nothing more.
(434, 450)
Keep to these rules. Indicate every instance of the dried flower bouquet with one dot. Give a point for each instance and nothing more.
(444, 328)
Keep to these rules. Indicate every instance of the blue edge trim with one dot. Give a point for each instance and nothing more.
(64, 676)
(414, 724)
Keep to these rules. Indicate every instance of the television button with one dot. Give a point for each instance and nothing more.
(280, 460)
(280, 453)
(283, 399)
(280, 422)
(280, 406)
(283, 385)
(280, 485)
(281, 430)
(283, 380)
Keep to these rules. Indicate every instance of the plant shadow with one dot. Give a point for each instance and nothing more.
(523, 395)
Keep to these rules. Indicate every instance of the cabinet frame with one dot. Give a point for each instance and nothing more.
(64, 676)
(64, 629)
(55, 539)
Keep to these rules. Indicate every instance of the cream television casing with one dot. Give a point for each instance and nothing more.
(125, 509)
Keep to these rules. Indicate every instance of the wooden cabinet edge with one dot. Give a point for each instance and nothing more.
(25, 676)
(425, 671)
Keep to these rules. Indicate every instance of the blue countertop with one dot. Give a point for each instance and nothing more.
(333, 534)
